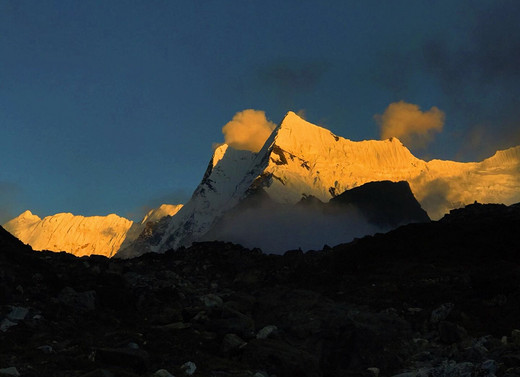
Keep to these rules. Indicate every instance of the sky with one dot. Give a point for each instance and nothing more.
(114, 106)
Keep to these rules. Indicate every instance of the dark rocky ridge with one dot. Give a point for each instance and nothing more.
(379, 206)
(383, 203)
(437, 297)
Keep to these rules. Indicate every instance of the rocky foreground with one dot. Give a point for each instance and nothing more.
(432, 299)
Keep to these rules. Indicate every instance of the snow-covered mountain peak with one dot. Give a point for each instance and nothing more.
(296, 135)
(301, 159)
(219, 153)
(81, 235)
(301, 138)
(28, 215)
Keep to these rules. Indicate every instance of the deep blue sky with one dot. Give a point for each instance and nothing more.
(113, 106)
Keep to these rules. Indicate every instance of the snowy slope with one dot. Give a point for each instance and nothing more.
(216, 194)
(324, 165)
(78, 235)
(158, 213)
(301, 159)
(81, 235)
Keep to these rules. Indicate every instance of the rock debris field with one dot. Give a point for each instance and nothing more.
(431, 299)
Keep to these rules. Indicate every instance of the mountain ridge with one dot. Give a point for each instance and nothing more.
(82, 235)
(301, 159)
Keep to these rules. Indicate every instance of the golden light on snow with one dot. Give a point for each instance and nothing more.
(80, 235)
(409, 124)
(248, 130)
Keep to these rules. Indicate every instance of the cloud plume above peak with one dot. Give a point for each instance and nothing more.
(406, 121)
(248, 130)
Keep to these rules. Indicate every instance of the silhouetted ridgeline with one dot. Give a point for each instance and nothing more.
(440, 297)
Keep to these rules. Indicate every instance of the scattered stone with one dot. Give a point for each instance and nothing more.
(46, 349)
(266, 332)
(133, 346)
(201, 316)
(406, 374)
(174, 326)
(99, 373)
(515, 336)
(331, 320)
(212, 300)
(273, 354)
(163, 373)
(480, 346)
(79, 300)
(232, 321)
(11, 371)
(189, 368)
(374, 372)
(453, 369)
(6, 324)
(511, 360)
(421, 342)
(441, 313)
(450, 332)
(123, 357)
(232, 342)
(490, 366)
(18, 313)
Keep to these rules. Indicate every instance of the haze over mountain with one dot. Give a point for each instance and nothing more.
(301, 159)
(80, 235)
(259, 221)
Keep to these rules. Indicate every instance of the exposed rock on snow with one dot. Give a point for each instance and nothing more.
(301, 159)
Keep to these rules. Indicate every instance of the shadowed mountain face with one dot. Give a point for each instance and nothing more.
(301, 159)
(386, 204)
(442, 298)
(259, 221)
(9, 244)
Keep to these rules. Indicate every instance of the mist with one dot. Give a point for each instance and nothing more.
(276, 228)
(248, 130)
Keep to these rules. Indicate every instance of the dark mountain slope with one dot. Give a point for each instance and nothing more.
(259, 221)
(443, 297)
(384, 203)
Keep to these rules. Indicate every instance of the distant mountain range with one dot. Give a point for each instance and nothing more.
(275, 199)
(80, 235)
